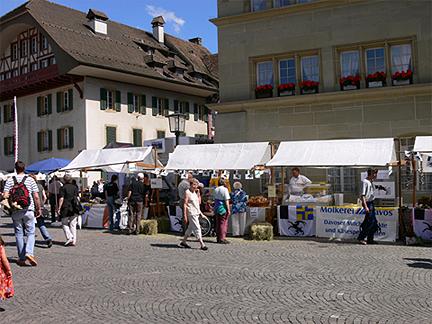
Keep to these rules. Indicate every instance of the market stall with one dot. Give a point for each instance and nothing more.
(422, 207)
(228, 159)
(116, 160)
(314, 213)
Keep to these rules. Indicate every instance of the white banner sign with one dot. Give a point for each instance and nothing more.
(384, 190)
(423, 223)
(296, 220)
(344, 222)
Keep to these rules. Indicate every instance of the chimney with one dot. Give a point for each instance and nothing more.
(158, 28)
(196, 40)
(97, 21)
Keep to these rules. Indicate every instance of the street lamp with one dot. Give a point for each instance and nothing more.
(177, 124)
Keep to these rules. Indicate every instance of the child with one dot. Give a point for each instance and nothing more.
(6, 286)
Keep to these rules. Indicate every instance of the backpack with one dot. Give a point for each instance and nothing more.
(19, 194)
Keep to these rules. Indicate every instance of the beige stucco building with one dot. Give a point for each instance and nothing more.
(288, 42)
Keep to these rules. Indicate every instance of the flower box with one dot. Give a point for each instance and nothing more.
(286, 89)
(264, 91)
(350, 82)
(401, 82)
(349, 87)
(376, 80)
(308, 91)
(375, 84)
(309, 87)
(285, 93)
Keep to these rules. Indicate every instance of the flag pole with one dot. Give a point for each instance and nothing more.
(15, 129)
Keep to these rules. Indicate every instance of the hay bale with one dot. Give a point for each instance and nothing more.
(148, 227)
(261, 232)
(164, 225)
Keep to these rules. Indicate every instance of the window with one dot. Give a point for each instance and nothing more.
(401, 58)
(8, 145)
(264, 73)
(44, 42)
(44, 141)
(258, 5)
(310, 68)
(160, 106)
(110, 99)
(64, 100)
(375, 60)
(44, 63)
(33, 66)
(287, 71)
(160, 134)
(350, 63)
(200, 112)
(111, 134)
(44, 105)
(283, 3)
(23, 48)
(181, 107)
(33, 45)
(14, 73)
(136, 103)
(14, 51)
(65, 138)
(24, 69)
(137, 137)
(52, 60)
(8, 113)
(2, 76)
(7, 75)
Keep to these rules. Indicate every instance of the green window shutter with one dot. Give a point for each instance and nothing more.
(166, 107)
(111, 136)
(49, 104)
(196, 112)
(187, 111)
(70, 92)
(206, 113)
(137, 137)
(154, 106)
(176, 106)
(130, 102)
(50, 140)
(59, 101)
(103, 99)
(59, 146)
(39, 141)
(117, 104)
(39, 103)
(71, 137)
(143, 105)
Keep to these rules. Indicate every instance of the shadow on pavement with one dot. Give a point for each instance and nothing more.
(420, 263)
(166, 246)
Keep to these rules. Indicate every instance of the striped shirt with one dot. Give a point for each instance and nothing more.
(29, 183)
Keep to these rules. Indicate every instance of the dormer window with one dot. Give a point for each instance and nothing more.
(97, 21)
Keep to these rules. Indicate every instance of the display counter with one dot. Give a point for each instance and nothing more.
(95, 216)
(335, 222)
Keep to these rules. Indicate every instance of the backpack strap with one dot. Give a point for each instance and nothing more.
(15, 180)
(24, 179)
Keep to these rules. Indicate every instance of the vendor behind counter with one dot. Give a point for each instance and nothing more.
(297, 182)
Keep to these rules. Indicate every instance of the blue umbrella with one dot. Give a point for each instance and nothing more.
(47, 166)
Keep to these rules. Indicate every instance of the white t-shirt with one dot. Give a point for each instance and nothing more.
(368, 190)
(29, 183)
(296, 185)
(193, 203)
(221, 193)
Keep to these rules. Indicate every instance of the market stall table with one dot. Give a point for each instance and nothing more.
(95, 216)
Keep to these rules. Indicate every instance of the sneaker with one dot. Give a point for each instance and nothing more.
(185, 245)
(49, 243)
(31, 259)
(363, 242)
(204, 248)
(68, 242)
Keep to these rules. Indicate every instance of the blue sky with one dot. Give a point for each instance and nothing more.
(185, 18)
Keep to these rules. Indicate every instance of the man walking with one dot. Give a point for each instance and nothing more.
(53, 196)
(370, 223)
(22, 191)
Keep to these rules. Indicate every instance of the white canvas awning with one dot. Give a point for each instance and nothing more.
(230, 156)
(113, 160)
(423, 144)
(350, 152)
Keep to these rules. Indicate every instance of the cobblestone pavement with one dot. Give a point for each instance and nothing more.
(129, 279)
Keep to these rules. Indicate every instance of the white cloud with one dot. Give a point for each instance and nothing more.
(169, 16)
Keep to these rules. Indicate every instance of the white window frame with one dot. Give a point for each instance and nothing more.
(182, 107)
(341, 62)
(160, 106)
(45, 105)
(44, 42)
(391, 57)
(34, 66)
(64, 133)
(136, 103)
(160, 131)
(24, 69)
(65, 100)
(258, 73)
(14, 51)
(23, 48)
(33, 45)
(280, 70)
(375, 59)
(110, 100)
(44, 141)
(15, 73)
(318, 66)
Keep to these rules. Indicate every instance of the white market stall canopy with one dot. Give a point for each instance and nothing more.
(423, 144)
(229, 156)
(114, 160)
(350, 152)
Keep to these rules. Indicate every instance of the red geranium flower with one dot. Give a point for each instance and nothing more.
(377, 76)
(265, 87)
(309, 84)
(402, 75)
(286, 86)
(350, 80)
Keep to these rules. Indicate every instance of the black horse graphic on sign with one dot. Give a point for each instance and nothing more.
(297, 227)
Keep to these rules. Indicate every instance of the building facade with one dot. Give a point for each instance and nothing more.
(83, 81)
(314, 69)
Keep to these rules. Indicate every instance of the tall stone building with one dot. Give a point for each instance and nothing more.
(305, 70)
(83, 81)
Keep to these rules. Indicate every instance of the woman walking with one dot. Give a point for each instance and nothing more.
(68, 210)
(239, 200)
(192, 213)
(6, 285)
(222, 212)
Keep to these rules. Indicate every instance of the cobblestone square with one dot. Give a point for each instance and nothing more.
(139, 279)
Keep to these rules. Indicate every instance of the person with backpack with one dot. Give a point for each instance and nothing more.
(23, 194)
